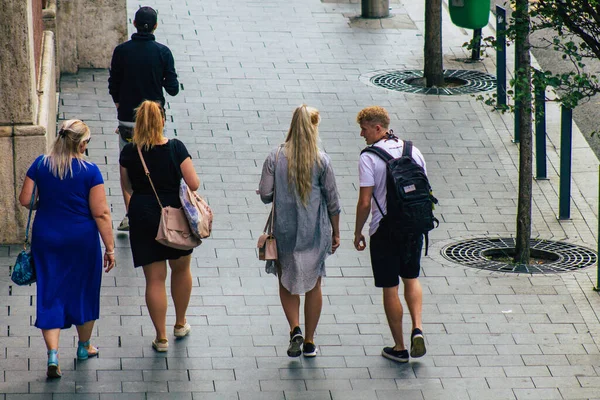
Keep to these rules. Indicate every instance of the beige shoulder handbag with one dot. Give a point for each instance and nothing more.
(267, 245)
(173, 230)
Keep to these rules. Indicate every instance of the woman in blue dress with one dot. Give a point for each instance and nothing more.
(72, 215)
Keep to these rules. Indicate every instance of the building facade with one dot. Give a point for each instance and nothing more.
(39, 40)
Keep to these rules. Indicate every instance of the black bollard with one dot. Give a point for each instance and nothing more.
(540, 129)
(500, 56)
(476, 43)
(566, 142)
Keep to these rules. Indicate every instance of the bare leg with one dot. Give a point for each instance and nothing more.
(312, 310)
(291, 305)
(181, 286)
(126, 195)
(413, 294)
(393, 312)
(51, 337)
(156, 296)
(85, 331)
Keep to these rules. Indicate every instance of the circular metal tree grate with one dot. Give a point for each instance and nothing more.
(459, 82)
(551, 256)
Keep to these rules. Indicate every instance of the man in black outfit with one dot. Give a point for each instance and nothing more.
(139, 70)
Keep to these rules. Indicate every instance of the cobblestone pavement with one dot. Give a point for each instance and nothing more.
(244, 66)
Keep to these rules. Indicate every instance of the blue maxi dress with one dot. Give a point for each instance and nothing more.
(65, 244)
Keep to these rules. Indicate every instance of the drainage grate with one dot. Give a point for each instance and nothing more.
(558, 256)
(461, 82)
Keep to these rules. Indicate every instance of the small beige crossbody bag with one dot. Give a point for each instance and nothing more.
(267, 244)
(174, 229)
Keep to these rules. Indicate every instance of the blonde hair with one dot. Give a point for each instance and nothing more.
(302, 149)
(66, 147)
(149, 123)
(374, 115)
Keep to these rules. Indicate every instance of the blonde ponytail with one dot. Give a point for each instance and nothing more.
(149, 124)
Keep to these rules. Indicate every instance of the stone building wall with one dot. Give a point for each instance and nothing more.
(83, 33)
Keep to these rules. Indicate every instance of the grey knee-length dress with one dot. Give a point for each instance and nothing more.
(303, 233)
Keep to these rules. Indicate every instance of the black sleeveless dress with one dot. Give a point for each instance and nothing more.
(144, 210)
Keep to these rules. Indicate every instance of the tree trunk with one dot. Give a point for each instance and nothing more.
(434, 66)
(523, 84)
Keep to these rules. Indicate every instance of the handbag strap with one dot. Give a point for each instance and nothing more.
(29, 217)
(270, 221)
(31, 203)
(148, 175)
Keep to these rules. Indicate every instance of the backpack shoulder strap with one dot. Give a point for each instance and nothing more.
(407, 148)
(381, 153)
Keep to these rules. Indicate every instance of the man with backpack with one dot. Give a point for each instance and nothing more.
(394, 187)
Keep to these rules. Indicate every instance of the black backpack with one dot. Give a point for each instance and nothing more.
(410, 202)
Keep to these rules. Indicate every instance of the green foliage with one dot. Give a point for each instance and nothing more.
(576, 35)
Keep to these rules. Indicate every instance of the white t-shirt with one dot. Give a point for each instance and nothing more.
(371, 173)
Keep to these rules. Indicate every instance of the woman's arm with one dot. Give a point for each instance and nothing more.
(332, 199)
(267, 181)
(101, 213)
(125, 186)
(189, 174)
(335, 232)
(26, 191)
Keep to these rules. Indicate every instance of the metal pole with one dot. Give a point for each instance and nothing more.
(598, 237)
(540, 129)
(476, 43)
(375, 8)
(517, 101)
(566, 138)
(501, 56)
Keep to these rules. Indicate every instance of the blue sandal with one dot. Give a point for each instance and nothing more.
(83, 350)
(53, 368)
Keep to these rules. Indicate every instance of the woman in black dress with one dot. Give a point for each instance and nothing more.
(167, 161)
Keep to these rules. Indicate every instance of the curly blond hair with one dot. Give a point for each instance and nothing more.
(374, 115)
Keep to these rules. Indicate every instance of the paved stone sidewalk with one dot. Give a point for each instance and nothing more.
(244, 66)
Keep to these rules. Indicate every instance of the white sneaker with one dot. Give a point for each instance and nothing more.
(124, 225)
(161, 345)
(183, 331)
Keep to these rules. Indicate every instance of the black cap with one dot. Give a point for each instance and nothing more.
(145, 18)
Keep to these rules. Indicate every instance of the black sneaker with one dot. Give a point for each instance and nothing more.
(417, 344)
(395, 355)
(296, 340)
(309, 349)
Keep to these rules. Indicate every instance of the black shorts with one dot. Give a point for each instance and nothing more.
(394, 256)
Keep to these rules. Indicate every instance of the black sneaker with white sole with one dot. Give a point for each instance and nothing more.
(309, 349)
(417, 344)
(296, 340)
(400, 356)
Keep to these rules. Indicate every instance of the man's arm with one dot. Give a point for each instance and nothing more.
(115, 78)
(363, 208)
(170, 82)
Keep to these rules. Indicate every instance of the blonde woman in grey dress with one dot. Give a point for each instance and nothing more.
(306, 223)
